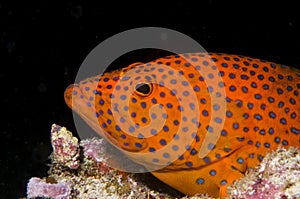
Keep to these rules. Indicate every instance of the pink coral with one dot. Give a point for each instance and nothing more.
(65, 147)
(38, 188)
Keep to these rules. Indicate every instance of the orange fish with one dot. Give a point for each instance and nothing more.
(197, 121)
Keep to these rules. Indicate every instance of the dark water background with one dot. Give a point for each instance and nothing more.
(43, 43)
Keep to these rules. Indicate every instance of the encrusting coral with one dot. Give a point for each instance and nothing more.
(79, 170)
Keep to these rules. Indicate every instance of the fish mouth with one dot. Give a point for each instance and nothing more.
(76, 98)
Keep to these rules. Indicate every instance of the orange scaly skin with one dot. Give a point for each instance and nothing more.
(262, 112)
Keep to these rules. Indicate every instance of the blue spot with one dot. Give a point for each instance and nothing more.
(152, 149)
(223, 133)
(292, 101)
(210, 129)
(175, 148)
(279, 91)
(271, 99)
(196, 88)
(125, 108)
(185, 93)
(251, 155)
(166, 155)
(240, 160)
(262, 132)
(131, 129)
(101, 102)
(203, 101)
(210, 76)
(285, 143)
(280, 76)
(176, 137)
(185, 129)
(223, 182)
(138, 145)
(257, 96)
(260, 77)
(218, 156)
(200, 181)
(206, 160)
(295, 131)
(124, 78)
(192, 106)
(155, 160)
(263, 106)
(153, 131)
(290, 78)
(265, 69)
(166, 128)
(104, 125)
(216, 107)
(229, 114)
(272, 115)
(232, 75)
(169, 105)
(218, 120)
(257, 116)
(143, 104)
(205, 113)
(246, 115)
(271, 79)
(212, 172)
(253, 85)
(224, 65)
(257, 144)
(187, 147)
(289, 88)
(211, 146)
(235, 125)
(250, 105)
(144, 120)
(163, 142)
(123, 97)
(280, 104)
(162, 94)
(267, 145)
(244, 89)
(175, 122)
(173, 81)
(246, 129)
(260, 158)
(126, 143)
(154, 101)
(184, 83)
(265, 86)
(161, 83)
(250, 142)
(283, 121)
(277, 140)
(193, 151)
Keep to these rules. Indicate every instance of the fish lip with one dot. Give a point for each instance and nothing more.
(76, 102)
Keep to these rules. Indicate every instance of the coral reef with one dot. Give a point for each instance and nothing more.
(278, 176)
(80, 170)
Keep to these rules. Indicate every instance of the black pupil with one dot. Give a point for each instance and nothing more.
(143, 88)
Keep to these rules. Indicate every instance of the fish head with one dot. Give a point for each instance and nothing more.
(141, 108)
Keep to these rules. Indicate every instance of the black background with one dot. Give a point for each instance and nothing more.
(43, 43)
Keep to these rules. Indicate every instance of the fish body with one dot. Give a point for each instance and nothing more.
(219, 114)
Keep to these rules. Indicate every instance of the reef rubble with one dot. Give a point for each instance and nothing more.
(79, 170)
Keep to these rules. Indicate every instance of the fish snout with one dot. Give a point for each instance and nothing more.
(70, 92)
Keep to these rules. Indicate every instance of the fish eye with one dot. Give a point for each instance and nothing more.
(143, 89)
